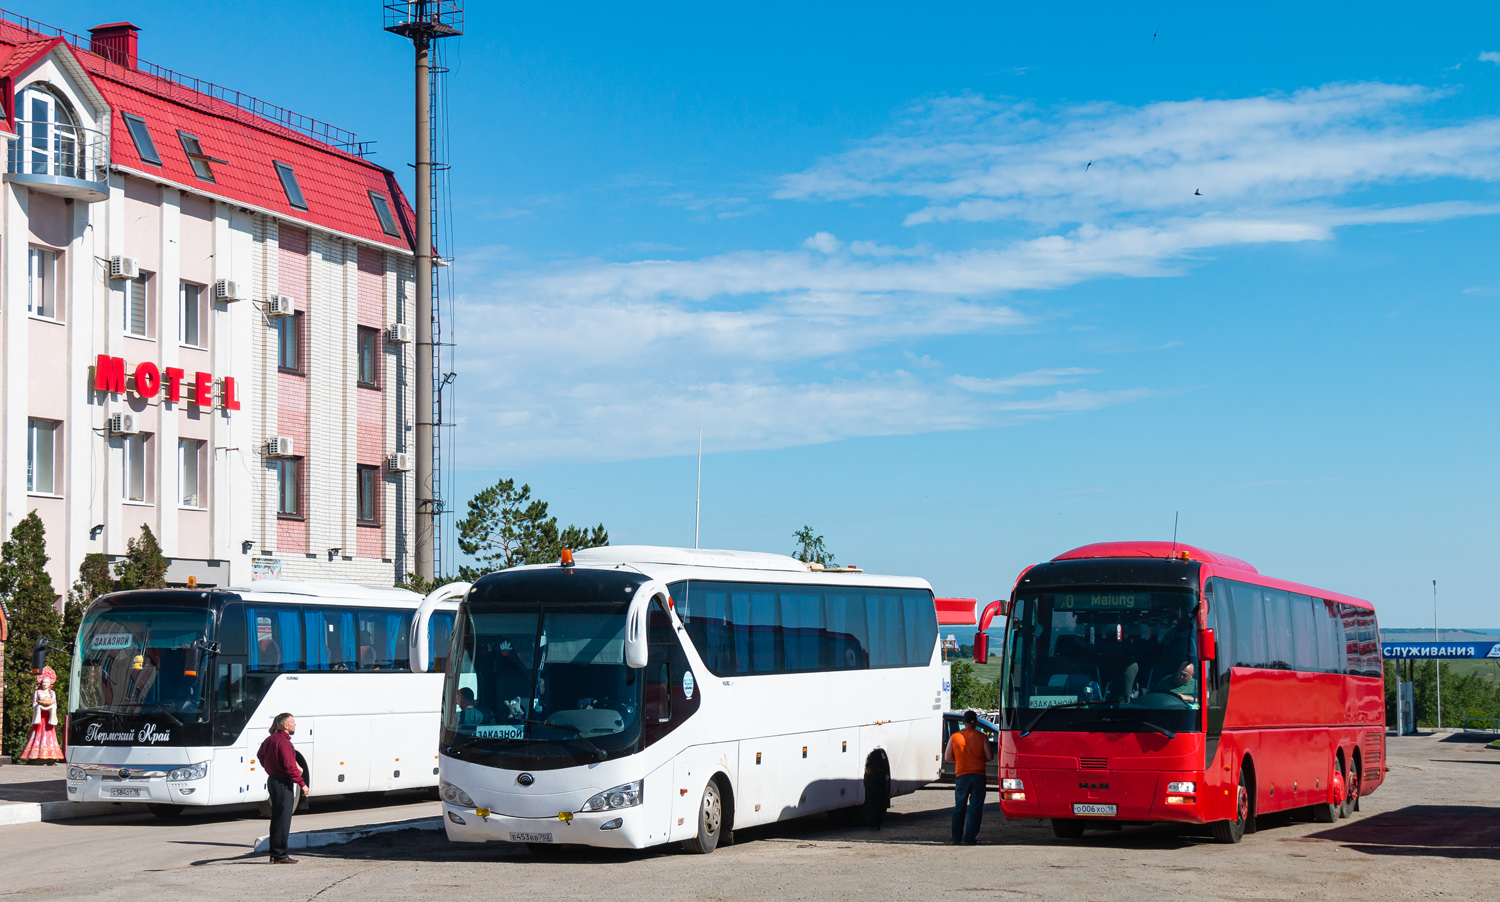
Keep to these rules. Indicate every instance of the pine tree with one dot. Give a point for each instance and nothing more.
(144, 567)
(32, 604)
(505, 528)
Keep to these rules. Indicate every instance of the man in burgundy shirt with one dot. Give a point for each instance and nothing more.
(279, 760)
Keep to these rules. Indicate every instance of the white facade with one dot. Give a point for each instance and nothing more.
(217, 518)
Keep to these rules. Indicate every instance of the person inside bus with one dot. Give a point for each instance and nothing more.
(1182, 682)
(468, 713)
(970, 752)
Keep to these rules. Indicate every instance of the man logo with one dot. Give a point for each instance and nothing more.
(1093, 785)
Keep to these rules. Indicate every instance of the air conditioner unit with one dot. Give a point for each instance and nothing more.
(400, 462)
(280, 446)
(280, 305)
(399, 333)
(226, 290)
(122, 424)
(124, 268)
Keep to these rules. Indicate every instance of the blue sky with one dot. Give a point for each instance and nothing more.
(868, 241)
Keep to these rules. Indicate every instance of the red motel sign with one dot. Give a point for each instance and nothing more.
(109, 376)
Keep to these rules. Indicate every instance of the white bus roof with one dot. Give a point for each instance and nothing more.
(689, 557)
(672, 564)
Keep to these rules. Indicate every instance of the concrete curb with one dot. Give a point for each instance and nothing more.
(49, 812)
(312, 839)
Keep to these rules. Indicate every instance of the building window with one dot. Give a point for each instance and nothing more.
(47, 136)
(41, 283)
(141, 135)
(367, 491)
(137, 470)
(191, 472)
(42, 446)
(199, 160)
(369, 343)
(289, 343)
(289, 487)
(138, 307)
(290, 186)
(190, 314)
(383, 213)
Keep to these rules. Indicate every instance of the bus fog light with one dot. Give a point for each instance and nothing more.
(76, 773)
(457, 818)
(613, 824)
(191, 772)
(626, 795)
(1011, 783)
(1188, 787)
(1013, 796)
(1180, 800)
(187, 791)
(454, 796)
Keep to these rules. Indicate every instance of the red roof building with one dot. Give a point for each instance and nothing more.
(205, 308)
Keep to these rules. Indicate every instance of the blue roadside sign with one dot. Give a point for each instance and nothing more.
(1403, 650)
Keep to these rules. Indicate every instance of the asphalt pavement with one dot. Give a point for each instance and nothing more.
(1432, 831)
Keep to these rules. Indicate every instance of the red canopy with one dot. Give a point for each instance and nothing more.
(955, 611)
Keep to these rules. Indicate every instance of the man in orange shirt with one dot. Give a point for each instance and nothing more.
(969, 751)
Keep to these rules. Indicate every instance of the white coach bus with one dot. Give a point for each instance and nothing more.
(648, 695)
(173, 690)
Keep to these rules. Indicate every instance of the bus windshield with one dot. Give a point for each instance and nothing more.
(1108, 659)
(545, 669)
(136, 659)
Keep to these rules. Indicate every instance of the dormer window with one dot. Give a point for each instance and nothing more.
(383, 213)
(145, 148)
(290, 186)
(200, 161)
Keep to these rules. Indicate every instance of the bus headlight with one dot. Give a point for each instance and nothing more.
(455, 796)
(626, 795)
(1185, 788)
(191, 772)
(1011, 783)
(76, 773)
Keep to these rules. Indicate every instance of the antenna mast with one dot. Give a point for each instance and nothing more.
(423, 22)
(698, 497)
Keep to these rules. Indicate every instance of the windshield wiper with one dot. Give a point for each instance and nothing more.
(1048, 710)
(1137, 720)
(163, 709)
(598, 753)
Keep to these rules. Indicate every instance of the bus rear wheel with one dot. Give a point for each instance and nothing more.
(710, 821)
(1351, 794)
(1067, 828)
(1231, 832)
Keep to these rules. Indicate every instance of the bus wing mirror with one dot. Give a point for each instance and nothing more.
(416, 647)
(1206, 645)
(39, 655)
(636, 651)
(981, 648)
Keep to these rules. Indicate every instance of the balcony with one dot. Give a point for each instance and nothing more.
(60, 159)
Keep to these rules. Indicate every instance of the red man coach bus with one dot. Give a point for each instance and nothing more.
(1150, 681)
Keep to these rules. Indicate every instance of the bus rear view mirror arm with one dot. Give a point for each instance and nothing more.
(636, 651)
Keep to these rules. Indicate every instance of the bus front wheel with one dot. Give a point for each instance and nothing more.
(1067, 828)
(710, 821)
(877, 794)
(165, 811)
(1231, 832)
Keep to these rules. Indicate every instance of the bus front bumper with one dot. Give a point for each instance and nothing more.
(1109, 796)
(621, 828)
(151, 788)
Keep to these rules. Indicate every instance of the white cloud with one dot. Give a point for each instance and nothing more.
(1489, 56)
(605, 360)
(974, 159)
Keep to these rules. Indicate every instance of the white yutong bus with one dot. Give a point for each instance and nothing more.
(649, 695)
(173, 690)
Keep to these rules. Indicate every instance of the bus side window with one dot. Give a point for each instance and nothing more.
(231, 687)
(659, 692)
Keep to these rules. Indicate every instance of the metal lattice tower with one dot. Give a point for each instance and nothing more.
(423, 22)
